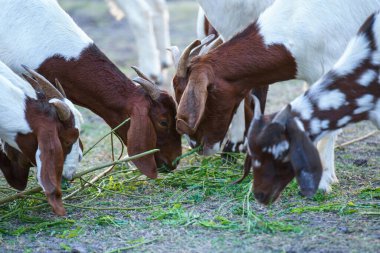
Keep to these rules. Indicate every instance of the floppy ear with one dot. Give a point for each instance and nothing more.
(192, 105)
(305, 159)
(142, 137)
(49, 159)
(15, 167)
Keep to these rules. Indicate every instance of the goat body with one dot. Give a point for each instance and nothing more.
(289, 40)
(348, 93)
(41, 35)
(34, 132)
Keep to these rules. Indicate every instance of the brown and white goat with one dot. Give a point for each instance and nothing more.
(281, 146)
(285, 43)
(43, 36)
(38, 127)
(229, 17)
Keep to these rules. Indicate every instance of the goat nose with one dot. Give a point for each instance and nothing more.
(260, 196)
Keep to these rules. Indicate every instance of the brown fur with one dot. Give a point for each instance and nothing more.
(94, 82)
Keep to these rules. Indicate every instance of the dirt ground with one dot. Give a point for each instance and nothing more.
(195, 209)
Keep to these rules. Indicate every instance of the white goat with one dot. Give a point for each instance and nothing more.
(149, 22)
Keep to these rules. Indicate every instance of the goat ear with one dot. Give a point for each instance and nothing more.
(49, 159)
(305, 159)
(15, 167)
(142, 137)
(192, 105)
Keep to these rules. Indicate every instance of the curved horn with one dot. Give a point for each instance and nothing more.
(49, 89)
(214, 44)
(204, 42)
(60, 88)
(141, 74)
(175, 54)
(183, 60)
(147, 84)
(32, 82)
(283, 116)
(63, 110)
(257, 114)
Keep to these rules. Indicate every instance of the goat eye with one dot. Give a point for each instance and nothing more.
(164, 123)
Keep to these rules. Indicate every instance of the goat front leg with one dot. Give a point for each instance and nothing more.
(161, 30)
(140, 17)
(326, 151)
(235, 137)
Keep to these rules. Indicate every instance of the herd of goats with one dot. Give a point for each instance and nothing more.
(48, 64)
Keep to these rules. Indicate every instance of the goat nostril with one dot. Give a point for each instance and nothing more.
(260, 196)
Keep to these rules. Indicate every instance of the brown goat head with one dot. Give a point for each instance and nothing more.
(280, 151)
(193, 81)
(54, 132)
(153, 126)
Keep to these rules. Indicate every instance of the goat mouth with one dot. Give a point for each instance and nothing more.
(163, 166)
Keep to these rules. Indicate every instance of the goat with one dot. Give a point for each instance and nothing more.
(281, 145)
(38, 127)
(53, 45)
(285, 43)
(149, 22)
(228, 18)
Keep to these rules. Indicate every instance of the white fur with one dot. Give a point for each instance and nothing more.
(256, 163)
(39, 168)
(331, 100)
(367, 78)
(365, 103)
(303, 106)
(357, 51)
(237, 127)
(374, 115)
(149, 22)
(316, 31)
(279, 149)
(13, 93)
(230, 17)
(36, 33)
(344, 121)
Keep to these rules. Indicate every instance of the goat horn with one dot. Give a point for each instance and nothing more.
(152, 90)
(283, 116)
(149, 86)
(183, 60)
(32, 82)
(214, 44)
(257, 114)
(49, 89)
(63, 110)
(175, 54)
(60, 88)
(204, 42)
(141, 74)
